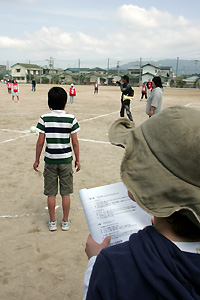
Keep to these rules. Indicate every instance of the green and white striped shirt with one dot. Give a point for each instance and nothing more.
(57, 126)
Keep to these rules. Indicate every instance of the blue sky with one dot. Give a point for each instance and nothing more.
(35, 30)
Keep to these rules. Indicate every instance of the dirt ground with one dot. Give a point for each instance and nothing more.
(36, 263)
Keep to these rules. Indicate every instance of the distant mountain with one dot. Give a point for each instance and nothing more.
(185, 67)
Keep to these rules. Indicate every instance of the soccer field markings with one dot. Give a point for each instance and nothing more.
(105, 115)
(93, 141)
(11, 140)
(34, 214)
(27, 132)
(195, 104)
(100, 116)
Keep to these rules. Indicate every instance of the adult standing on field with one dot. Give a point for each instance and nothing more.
(126, 91)
(155, 100)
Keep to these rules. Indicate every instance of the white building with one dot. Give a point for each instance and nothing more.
(22, 72)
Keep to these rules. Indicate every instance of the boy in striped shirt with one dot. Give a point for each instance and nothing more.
(57, 128)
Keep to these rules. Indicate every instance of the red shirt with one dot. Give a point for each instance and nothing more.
(72, 92)
(149, 85)
(15, 87)
(144, 89)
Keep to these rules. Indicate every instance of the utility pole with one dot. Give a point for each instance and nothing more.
(140, 80)
(196, 61)
(108, 70)
(177, 66)
(40, 75)
(29, 71)
(51, 65)
(79, 66)
(118, 68)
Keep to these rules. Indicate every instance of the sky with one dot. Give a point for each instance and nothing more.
(98, 33)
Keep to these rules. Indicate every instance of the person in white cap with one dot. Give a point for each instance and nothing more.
(72, 93)
(161, 170)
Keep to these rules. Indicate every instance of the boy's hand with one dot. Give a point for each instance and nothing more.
(35, 165)
(92, 248)
(78, 165)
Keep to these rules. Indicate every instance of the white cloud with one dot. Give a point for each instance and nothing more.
(135, 32)
(157, 32)
(13, 43)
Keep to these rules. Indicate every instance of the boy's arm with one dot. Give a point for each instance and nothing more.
(39, 146)
(75, 145)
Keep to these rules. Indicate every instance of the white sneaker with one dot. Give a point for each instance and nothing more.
(65, 225)
(52, 226)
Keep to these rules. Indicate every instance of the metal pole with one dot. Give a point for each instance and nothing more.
(177, 66)
(140, 80)
(79, 66)
(107, 71)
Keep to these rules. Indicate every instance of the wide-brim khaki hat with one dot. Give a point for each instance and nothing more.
(161, 165)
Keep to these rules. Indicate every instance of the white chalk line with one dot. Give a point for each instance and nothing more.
(194, 104)
(93, 141)
(11, 140)
(34, 214)
(100, 116)
(18, 131)
(105, 115)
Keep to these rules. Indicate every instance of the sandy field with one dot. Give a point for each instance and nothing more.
(36, 263)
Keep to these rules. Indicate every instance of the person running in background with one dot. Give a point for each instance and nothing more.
(58, 128)
(72, 93)
(96, 87)
(144, 91)
(9, 86)
(15, 90)
(33, 84)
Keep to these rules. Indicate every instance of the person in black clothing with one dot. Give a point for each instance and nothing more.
(126, 90)
(33, 84)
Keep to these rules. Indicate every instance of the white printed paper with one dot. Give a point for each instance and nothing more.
(109, 211)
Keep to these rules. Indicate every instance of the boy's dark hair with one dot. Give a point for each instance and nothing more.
(157, 81)
(57, 98)
(183, 226)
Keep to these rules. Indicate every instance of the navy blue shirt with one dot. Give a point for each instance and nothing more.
(147, 267)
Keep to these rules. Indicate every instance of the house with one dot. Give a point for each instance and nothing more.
(24, 72)
(148, 71)
(134, 70)
(192, 81)
(166, 72)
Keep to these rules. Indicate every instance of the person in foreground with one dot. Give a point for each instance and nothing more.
(161, 170)
(155, 99)
(58, 127)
